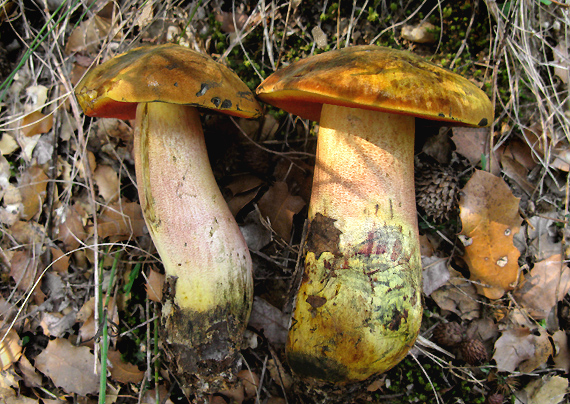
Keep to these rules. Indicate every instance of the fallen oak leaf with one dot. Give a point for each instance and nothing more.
(10, 348)
(546, 390)
(522, 348)
(490, 218)
(121, 221)
(280, 206)
(123, 372)
(561, 357)
(154, 285)
(36, 123)
(547, 284)
(69, 367)
(108, 182)
(33, 185)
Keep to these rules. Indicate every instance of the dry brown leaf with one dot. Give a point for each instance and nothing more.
(57, 324)
(271, 320)
(121, 221)
(490, 217)
(69, 367)
(122, 371)
(154, 285)
(10, 348)
(546, 390)
(472, 143)
(243, 190)
(522, 348)
(548, 283)
(435, 273)
(8, 144)
(108, 182)
(88, 36)
(33, 185)
(81, 164)
(70, 229)
(519, 151)
(31, 377)
(60, 261)
(518, 173)
(458, 296)
(28, 233)
(562, 354)
(86, 315)
(229, 21)
(551, 144)
(24, 269)
(36, 123)
(280, 206)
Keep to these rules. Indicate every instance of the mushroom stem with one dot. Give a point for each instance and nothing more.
(358, 310)
(209, 286)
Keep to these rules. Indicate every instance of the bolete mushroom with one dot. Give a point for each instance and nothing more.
(358, 310)
(209, 285)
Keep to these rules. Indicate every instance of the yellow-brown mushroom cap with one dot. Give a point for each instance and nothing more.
(165, 73)
(376, 78)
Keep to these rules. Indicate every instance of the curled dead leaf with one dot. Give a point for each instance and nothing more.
(279, 206)
(546, 285)
(121, 221)
(522, 348)
(154, 285)
(108, 182)
(10, 348)
(33, 185)
(122, 371)
(69, 367)
(36, 123)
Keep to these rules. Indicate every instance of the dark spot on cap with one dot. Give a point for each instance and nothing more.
(216, 101)
(441, 114)
(203, 90)
(483, 122)
(172, 66)
(226, 104)
(176, 84)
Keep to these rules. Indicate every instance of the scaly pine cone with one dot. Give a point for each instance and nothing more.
(473, 351)
(437, 188)
(448, 334)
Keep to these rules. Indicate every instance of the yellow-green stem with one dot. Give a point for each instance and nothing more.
(358, 310)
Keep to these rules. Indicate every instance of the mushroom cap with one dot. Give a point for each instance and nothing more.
(376, 78)
(166, 73)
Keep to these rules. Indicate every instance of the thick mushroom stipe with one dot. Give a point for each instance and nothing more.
(207, 262)
(358, 309)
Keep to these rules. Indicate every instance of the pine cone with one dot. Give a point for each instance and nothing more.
(473, 351)
(448, 334)
(495, 398)
(437, 188)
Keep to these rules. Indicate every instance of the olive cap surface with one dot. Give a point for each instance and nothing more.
(376, 78)
(166, 73)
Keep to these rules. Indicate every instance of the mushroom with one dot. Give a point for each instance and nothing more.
(358, 309)
(209, 285)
